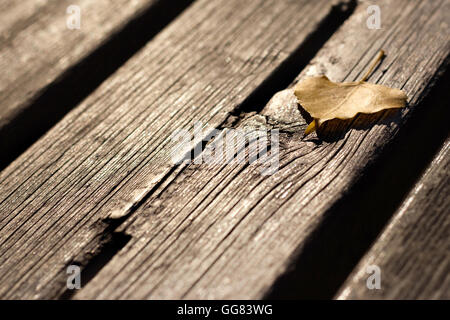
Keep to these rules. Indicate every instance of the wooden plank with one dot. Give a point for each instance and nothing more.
(226, 231)
(37, 46)
(413, 251)
(47, 68)
(114, 148)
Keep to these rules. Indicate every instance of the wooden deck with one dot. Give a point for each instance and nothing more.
(87, 120)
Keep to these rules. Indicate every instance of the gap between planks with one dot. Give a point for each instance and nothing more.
(48, 69)
(412, 253)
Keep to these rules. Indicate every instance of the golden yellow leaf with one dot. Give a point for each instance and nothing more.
(325, 100)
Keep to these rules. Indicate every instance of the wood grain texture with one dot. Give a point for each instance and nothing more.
(413, 251)
(114, 148)
(49, 68)
(37, 47)
(224, 230)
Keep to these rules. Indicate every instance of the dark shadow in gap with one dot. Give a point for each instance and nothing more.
(110, 242)
(286, 73)
(351, 226)
(110, 248)
(82, 79)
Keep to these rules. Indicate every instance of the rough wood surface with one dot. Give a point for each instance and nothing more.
(37, 47)
(226, 231)
(413, 251)
(38, 52)
(114, 148)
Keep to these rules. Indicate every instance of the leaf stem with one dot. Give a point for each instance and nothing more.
(373, 65)
(311, 127)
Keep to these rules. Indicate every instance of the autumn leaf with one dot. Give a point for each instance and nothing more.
(326, 100)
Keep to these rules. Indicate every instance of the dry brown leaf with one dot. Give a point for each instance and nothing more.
(326, 100)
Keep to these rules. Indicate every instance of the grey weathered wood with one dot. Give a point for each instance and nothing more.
(38, 52)
(413, 252)
(114, 148)
(37, 47)
(226, 231)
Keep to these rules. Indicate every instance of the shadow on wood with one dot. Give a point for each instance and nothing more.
(319, 268)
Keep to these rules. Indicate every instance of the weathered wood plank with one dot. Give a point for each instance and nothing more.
(114, 148)
(226, 231)
(37, 47)
(413, 251)
(47, 68)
